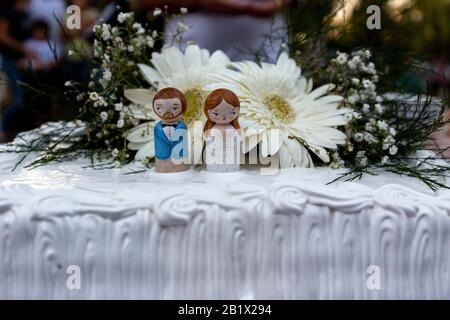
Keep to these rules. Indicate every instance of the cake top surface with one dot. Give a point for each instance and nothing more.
(81, 176)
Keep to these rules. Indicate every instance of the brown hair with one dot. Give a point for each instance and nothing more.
(171, 93)
(214, 99)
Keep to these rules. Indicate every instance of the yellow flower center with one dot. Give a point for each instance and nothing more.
(279, 108)
(195, 98)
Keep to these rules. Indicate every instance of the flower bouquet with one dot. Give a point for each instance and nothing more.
(343, 122)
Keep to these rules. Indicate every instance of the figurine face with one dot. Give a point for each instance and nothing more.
(224, 113)
(169, 110)
(221, 107)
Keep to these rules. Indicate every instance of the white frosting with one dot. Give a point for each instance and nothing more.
(193, 235)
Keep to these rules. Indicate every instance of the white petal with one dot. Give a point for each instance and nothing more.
(193, 56)
(320, 152)
(286, 160)
(218, 61)
(147, 151)
(140, 133)
(135, 145)
(271, 141)
(149, 74)
(140, 96)
(299, 153)
(141, 113)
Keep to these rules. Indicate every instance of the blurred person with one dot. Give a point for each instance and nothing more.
(441, 139)
(45, 59)
(77, 68)
(42, 71)
(4, 90)
(439, 76)
(13, 31)
(438, 80)
(237, 27)
(53, 13)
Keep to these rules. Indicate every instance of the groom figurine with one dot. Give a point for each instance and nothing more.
(171, 139)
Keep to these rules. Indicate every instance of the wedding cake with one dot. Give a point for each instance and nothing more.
(70, 231)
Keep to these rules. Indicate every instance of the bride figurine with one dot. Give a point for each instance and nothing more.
(221, 131)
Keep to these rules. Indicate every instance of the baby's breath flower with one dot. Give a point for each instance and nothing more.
(382, 125)
(367, 84)
(106, 34)
(138, 28)
(150, 42)
(120, 123)
(182, 27)
(342, 58)
(358, 137)
(350, 147)
(352, 65)
(366, 108)
(368, 137)
(366, 54)
(97, 48)
(363, 161)
(369, 126)
(353, 99)
(122, 17)
(356, 81)
(379, 108)
(93, 96)
(356, 60)
(157, 12)
(107, 75)
(103, 116)
(393, 150)
(118, 106)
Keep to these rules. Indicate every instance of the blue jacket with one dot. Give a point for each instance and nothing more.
(164, 147)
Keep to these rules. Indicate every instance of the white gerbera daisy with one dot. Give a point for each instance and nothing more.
(276, 96)
(190, 72)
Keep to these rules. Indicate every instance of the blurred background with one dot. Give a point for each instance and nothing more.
(412, 46)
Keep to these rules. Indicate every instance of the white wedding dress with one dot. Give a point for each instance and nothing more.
(222, 152)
